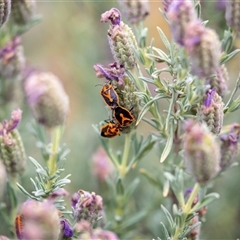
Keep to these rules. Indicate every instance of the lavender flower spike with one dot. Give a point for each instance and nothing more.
(201, 152)
(121, 39)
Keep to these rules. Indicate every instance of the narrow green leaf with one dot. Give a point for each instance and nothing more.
(189, 230)
(206, 200)
(168, 216)
(134, 219)
(39, 193)
(142, 95)
(153, 122)
(169, 176)
(42, 172)
(131, 188)
(35, 163)
(120, 187)
(34, 184)
(164, 232)
(144, 149)
(149, 177)
(23, 190)
(148, 80)
(159, 58)
(147, 107)
(164, 39)
(167, 148)
(229, 56)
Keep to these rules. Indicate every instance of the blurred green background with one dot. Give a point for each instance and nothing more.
(68, 42)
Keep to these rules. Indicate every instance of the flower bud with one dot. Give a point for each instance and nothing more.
(12, 59)
(23, 11)
(40, 220)
(11, 147)
(232, 15)
(201, 152)
(229, 149)
(219, 80)
(121, 39)
(46, 98)
(204, 49)
(135, 11)
(5, 8)
(211, 112)
(102, 166)
(88, 207)
(180, 14)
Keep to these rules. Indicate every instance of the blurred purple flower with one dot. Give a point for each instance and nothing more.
(67, 231)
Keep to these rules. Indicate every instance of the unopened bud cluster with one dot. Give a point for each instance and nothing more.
(232, 15)
(12, 151)
(121, 39)
(201, 152)
(46, 98)
(211, 111)
(135, 11)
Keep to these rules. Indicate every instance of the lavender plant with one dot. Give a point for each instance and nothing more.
(195, 145)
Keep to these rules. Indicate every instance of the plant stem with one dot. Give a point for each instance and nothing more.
(52, 161)
(186, 210)
(123, 167)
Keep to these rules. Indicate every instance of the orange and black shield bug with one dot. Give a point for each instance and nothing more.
(123, 116)
(110, 130)
(19, 221)
(109, 95)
